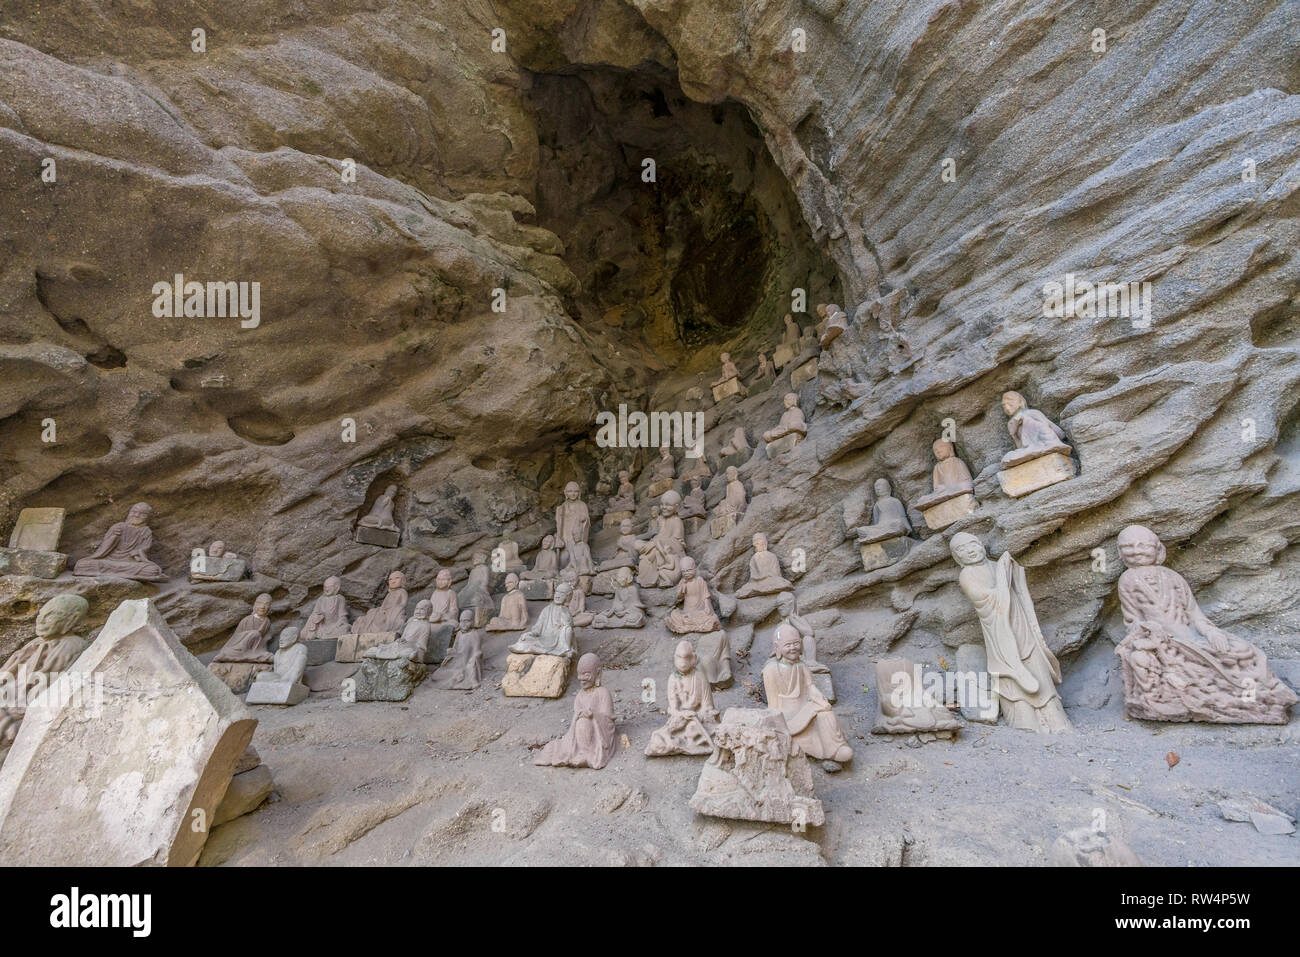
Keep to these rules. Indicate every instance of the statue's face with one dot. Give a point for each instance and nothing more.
(548, 541)
(785, 603)
(625, 527)
(760, 543)
(217, 549)
(790, 400)
(423, 610)
(726, 357)
(688, 571)
(138, 515)
(791, 645)
(262, 607)
(390, 491)
(882, 488)
(684, 661)
(624, 476)
(587, 676)
(968, 550)
(571, 492)
(1138, 548)
(732, 473)
(942, 450)
(396, 580)
(332, 585)
(59, 616)
(512, 581)
(1011, 403)
(288, 637)
(444, 579)
(625, 576)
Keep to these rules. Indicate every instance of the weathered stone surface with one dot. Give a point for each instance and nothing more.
(386, 674)
(247, 792)
(383, 537)
(727, 387)
(321, 650)
(216, 568)
(37, 530)
(879, 554)
(238, 675)
(803, 374)
(535, 676)
(938, 517)
(122, 787)
(1084, 847)
(276, 692)
(25, 561)
(537, 589)
(350, 647)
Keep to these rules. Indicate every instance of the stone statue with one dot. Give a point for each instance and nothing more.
(787, 606)
(729, 370)
(789, 687)
(906, 706)
(34, 545)
(546, 566)
(572, 527)
(381, 513)
(552, 632)
(124, 551)
(660, 557)
(333, 609)
(790, 431)
(626, 610)
(950, 473)
(391, 613)
(1040, 458)
(1178, 665)
(283, 684)
(248, 643)
(953, 494)
(624, 549)
(463, 668)
(764, 572)
(652, 526)
(885, 540)
(1025, 673)
(729, 382)
(765, 370)
(513, 614)
(737, 444)
(590, 741)
(475, 594)
(625, 500)
(415, 634)
(790, 337)
(29, 669)
(390, 671)
(690, 709)
(577, 598)
(446, 607)
(735, 500)
(216, 564)
(696, 613)
(835, 323)
(693, 505)
(665, 469)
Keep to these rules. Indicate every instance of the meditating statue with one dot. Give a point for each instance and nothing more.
(513, 614)
(552, 632)
(462, 669)
(660, 557)
(624, 549)
(729, 370)
(951, 474)
(905, 705)
(764, 572)
(1178, 665)
(693, 504)
(283, 684)
(415, 634)
(248, 643)
(790, 337)
(546, 566)
(734, 501)
(834, 323)
(590, 741)
(52, 652)
(736, 444)
(391, 613)
(625, 500)
(691, 713)
(789, 687)
(1034, 433)
(476, 593)
(124, 551)
(888, 516)
(665, 468)
(1025, 672)
(626, 610)
(953, 496)
(577, 599)
(333, 610)
(446, 607)
(381, 513)
(572, 527)
(792, 423)
(765, 369)
(312, 630)
(696, 613)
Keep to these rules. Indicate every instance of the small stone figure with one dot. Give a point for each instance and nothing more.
(283, 684)
(696, 613)
(660, 557)
(1178, 665)
(906, 706)
(662, 473)
(577, 598)
(790, 337)
(462, 670)
(124, 551)
(693, 504)
(590, 741)
(475, 594)
(953, 495)
(572, 528)
(737, 444)
(216, 564)
(790, 431)
(446, 606)
(764, 572)
(729, 382)
(624, 549)
(690, 709)
(1040, 458)
(765, 370)
(31, 668)
(513, 614)
(333, 610)
(835, 323)
(625, 500)
(546, 566)
(390, 615)
(787, 606)
(735, 500)
(626, 610)
(1025, 672)
(552, 632)
(789, 687)
(377, 526)
(885, 540)
(415, 635)
(248, 643)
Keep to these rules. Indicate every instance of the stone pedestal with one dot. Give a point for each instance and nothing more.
(238, 675)
(884, 552)
(320, 650)
(782, 355)
(784, 444)
(537, 589)
(803, 374)
(439, 642)
(693, 524)
(1030, 476)
(721, 525)
(27, 561)
(211, 568)
(941, 513)
(383, 537)
(725, 388)
(389, 677)
(351, 647)
(659, 487)
(276, 692)
(612, 519)
(535, 676)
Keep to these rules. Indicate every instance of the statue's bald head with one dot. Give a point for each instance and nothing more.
(1139, 546)
(61, 615)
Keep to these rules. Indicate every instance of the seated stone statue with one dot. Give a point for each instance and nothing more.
(729, 370)
(691, 713)
(546, 566)
(124, 551)
(552, 632)
(248, 643)
(765, 369)
(790, 337)
(1178, 665)
(414, 640)
(445, 606)
(53, 650)
(390, 671)
(381, 513)
(665, 468)
(693, 504)
(625, 500)
(905, 705)
(333, 610)
(590, 741)
(577, 599)
(626, 610)
(462, 669)
(888, 517)
(789, 687)
(735, 500)
(764, 572)
(476, 593)
(513, 614)
(951, 475)
(660, 557)
(624, 550)
(696, 613)
(391, 613)
(1034, 433)
(312, 630)
(792, 422)
(736, 444)
(283, 684)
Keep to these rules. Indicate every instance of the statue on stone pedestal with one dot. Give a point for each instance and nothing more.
(764, 572)
(789, 687)
(333, 610)
(546, 566)
(625, 500)
(792, 424)
(696, 613)
(1025, 672)
(590, 741)
(462, 670)
(729, 370)
(577, 598)
(660, 557)
(572, 528)
(52, 652)
(665, 468)
(693, 504)
(735, 500)
(513, 615)
(552, 632)
(124, 551)
(248, 643)
(1034, 433)
(445, 605)
(626, 610)
(691, 712)
(790, 337)
(888, 516)
(951, 474)
(390, 615)
(381, 513)
(765, 368)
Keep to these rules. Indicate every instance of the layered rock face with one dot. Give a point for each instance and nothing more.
(814, 160)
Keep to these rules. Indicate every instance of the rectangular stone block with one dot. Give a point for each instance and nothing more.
(659, 487)
(1037, 473)
(939, 517)
(276, 692)
(692, 524)
(383, 537)
(879, 554)
(24, 561)
(535, 676)
(537, 589)
(212, 568)
(822, 679)
(351, 647)
(439, 642)
(320, 650)
(784, 444)
(803, 374)
(388, 678)
(720, 526)
(725, 388)
(37, 529)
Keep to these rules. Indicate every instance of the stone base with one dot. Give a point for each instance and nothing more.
(537, 589)
(388, 679)
(383, 537)
(206, 568)
(351, 647)
(725, 388)
(320, 650)
(238, 675)
(439, 641)
(784, 444)
(720, 526)
(535, 676)
(276, 692)
(938, 517)
(612, 519)
(28, 561)
(879, 554)
(782, 355)
(1037, 473)
(803, 374)
(659, 487)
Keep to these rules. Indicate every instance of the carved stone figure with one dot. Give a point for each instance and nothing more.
(577, 598)
(787, 606)
(765, 369)
(377, 526)
(390, 671)
(885, 540)
(625, 556)
(475, 594)
(390, 615)
(659, 564)
(1178, 665)
(1025, 672)
(513, 614)
(572, 528)
(248, 643)
(735, 500)
(790, 337)
(333, 609)
(906, 706)
(789, 687)
(835, 323)
(626, 610)
(737, 444)
(446, 606)
(696, 613)
(953, 489)
(662, 473)
(764, 572)
(625, 500)
(690, 709)
(790, 431)
(31, 668)
(693, 503)
(283, 684)
(552, 632)
(462, 670)
(216, 564)
(729, 382)
(124, 551)
(539, 581)
(1040, 458)
(590, 741)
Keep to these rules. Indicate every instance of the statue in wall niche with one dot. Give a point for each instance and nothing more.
(624, 549)
(885, 540)
(1025, 672)
(660, 557)
(626, 609)
(283, 684)
(546, 566)
(696, 613)
(625, 500)
(381, 513)
(445, 605)
(693, 504)
(787, 605)
(572, 528)
(390, 615)
(577, 598)
(333, 611)
(736, 444)
(248, 643)
(953, 489)
(590, 741)
(906, 706)
(462, 670)
(789, 687)
(30, 669)
(552, 632)
(951, 474)
(691, 712)
(1178, 665)
(1040, 458)
(217, 563)
(790, 431)
(764, 572)
(513, 614)
(123, 553)
(476, 593)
